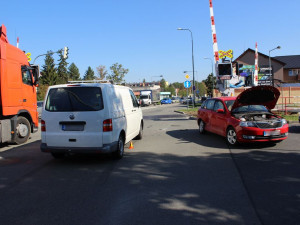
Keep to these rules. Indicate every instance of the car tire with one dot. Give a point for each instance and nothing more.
(231, 137)
(22, 131)
(140, 135)
(201, 127)
(118, 154)
(57, 155)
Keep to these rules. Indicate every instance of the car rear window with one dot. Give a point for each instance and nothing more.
(68, 99)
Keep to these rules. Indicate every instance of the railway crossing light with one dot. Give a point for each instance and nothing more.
(66, 52)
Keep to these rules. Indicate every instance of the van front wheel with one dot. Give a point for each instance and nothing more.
(120, 149)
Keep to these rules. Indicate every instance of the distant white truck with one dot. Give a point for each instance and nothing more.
(146, 97)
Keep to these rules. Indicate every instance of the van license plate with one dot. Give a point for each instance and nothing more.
(272, 133)
(72, 127)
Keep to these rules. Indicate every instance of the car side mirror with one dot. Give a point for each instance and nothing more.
(220, 111)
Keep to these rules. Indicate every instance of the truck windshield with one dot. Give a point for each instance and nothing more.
(68, 99)
(144, 97)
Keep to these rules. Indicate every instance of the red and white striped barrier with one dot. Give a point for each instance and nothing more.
(213, 30)
(255, 80)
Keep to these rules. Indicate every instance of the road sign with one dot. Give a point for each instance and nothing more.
(187, 76)
(187, 84)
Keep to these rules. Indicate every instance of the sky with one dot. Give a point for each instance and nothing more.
(143, 37)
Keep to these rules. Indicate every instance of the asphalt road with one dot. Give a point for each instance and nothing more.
(172, 176)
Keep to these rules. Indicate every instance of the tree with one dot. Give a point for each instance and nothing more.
(117, 73)
(102, 72)
(163, 84)
(49, 72)
(210, 82)
(62, 70)
(202, 89)
(73, 72)
(170, 89)
(89, 74)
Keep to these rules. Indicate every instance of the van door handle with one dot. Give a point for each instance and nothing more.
(133, 110)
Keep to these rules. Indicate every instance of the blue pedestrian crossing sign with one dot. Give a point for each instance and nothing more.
(187, 84)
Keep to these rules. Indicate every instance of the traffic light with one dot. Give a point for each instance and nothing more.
(66, 52)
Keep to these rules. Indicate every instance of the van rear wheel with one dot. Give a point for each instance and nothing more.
(23, 130)
(120, 148)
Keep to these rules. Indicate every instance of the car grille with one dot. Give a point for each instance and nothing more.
(264, 125)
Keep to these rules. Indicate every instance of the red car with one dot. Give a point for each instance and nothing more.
(245, 118)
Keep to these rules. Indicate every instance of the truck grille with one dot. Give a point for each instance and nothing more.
(264, 125)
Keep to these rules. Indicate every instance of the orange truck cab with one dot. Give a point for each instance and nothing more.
(18, 100)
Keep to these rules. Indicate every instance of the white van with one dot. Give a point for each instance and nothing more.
(89, 118)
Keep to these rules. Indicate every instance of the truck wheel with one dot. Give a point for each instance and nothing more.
(22, 131)
(120, 148)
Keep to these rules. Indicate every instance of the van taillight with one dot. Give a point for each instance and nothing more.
(107, 125)
(43, 125)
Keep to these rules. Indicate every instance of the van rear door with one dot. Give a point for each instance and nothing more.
(73, 117)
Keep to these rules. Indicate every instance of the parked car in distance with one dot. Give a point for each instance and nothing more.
(166, 101)
(175, 99)
(39, 108)
(245, 118)
(89, 118)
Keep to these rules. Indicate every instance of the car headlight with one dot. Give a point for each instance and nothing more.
(247, 124)
(284, 121)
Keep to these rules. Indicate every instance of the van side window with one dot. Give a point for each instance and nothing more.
(134, 100)
(26, 76)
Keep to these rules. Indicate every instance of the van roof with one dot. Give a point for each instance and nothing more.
(86, 85)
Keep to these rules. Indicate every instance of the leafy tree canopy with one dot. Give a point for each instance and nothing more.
(117, 73)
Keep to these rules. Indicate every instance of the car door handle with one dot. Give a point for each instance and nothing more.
(24, 100)
(133, 110)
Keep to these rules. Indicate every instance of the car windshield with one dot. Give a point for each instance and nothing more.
(229, 104)
(69, 99)
(250, 108)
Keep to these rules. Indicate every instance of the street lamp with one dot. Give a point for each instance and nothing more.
(192, 62)
(155, 76)
(270, 68)
(212, 72)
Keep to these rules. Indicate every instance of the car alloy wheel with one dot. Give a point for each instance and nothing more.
(201, 127)
(231, 136)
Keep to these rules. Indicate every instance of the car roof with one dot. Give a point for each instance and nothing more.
(223, 98)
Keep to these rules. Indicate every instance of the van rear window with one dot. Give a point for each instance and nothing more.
(70, 99)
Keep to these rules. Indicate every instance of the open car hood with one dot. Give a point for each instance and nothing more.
(260, 95)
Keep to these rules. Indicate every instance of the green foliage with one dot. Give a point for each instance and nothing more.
(117, 73)
(42, 89)
(171, 89)
(73, 72)
(202, 89)
(210, 83)
(62, 70)
(49, 74)
(89, 74)
(163, 84)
